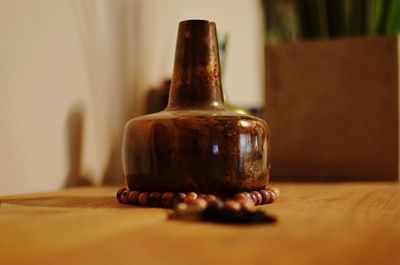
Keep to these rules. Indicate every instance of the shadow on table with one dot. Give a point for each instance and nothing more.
(75, 129)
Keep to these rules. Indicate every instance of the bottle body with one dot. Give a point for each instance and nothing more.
(216, 152)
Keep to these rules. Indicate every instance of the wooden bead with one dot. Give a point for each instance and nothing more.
(265, 196)
(258, 197)
(199, 204)
(276, 190)
(143, 198)
(155, 198)
(244, 200)
(241, 197)
(119, 193)
(133, 197)
(167, 199)
(272, 195)
(189, 200)
(247, 194)
(248, 205)
(232, 205)
(180, 197)
(125, 196)
(216, 204)
(210, 198)
(253, 197)
(192, 195)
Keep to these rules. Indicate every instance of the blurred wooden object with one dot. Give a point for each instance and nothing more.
(157, 98)
(353, 223)
(333, 109)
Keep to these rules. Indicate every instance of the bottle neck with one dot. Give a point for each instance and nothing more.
(196, 79)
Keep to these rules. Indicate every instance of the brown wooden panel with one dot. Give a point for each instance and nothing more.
(332, 107)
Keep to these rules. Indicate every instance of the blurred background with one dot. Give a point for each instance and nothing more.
(72, 72)
(290, 20)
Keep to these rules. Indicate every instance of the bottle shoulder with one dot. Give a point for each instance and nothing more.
(206, 117)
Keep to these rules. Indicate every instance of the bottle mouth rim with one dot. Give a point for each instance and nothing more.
(197, 21)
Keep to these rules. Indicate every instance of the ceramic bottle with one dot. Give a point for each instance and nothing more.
(196, 144)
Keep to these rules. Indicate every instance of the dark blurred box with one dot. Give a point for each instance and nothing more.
(332, 107)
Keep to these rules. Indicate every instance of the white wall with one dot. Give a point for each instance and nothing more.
(63, 68)
(69, 81)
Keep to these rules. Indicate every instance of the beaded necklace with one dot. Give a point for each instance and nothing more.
(238, 209)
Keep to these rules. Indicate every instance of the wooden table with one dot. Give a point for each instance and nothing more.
(353, 223)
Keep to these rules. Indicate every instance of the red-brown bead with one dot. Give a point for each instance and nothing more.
(190, 197)
(240, 196)
(133, 197)
(210, 198)
(155, 198)
(218, 203)
(199, 203)
(167, 199)
(258, 197)
(143, 198)
(272, 195)
(247, 194)
(180, 197)
(232, 205)
(253, 197)
(276, 190)
(248, 205)
(265, 196)
(125, 196)
(119, 193)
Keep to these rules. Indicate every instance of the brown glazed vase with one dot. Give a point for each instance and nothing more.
(196, 144)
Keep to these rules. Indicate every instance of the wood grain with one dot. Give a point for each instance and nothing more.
(352, 223)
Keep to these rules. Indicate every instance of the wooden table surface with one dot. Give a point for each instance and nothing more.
(352, 223)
